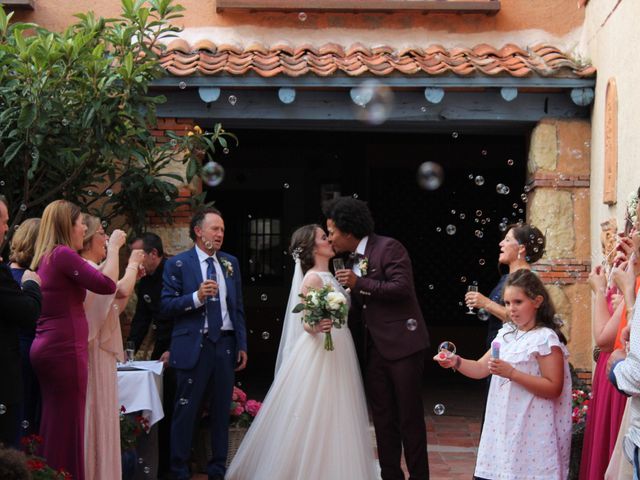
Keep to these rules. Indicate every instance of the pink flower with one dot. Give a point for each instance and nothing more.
(253, 407)
(238, 395)
(236, 409)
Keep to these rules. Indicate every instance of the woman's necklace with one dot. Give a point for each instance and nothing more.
(522, 334)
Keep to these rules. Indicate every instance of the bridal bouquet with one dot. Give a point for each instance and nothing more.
(322, 303)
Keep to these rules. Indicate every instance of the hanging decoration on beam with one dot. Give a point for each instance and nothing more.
(509, 93)
(433, 95)
(287, 95)
(582, 96)
(209, 94)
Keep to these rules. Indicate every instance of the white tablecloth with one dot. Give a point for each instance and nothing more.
(141, 390)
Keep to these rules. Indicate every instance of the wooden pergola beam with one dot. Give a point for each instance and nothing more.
(387, 6)
(22, 4)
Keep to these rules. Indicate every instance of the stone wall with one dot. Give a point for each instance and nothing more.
(558, 175)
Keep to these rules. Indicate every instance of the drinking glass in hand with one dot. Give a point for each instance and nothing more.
(471, 288)
(338, 264)
(130, 352)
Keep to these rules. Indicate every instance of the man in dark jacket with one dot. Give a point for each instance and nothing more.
(20, 307)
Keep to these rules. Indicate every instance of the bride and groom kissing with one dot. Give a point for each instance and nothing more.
(314, 422)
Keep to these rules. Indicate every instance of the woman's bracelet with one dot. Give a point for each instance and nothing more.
(133, 266)
(456, 367)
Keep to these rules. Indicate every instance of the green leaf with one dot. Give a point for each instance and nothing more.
(11, 151)
(27, 116)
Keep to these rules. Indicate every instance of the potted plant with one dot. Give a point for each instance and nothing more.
(37, 465)
(131, 426)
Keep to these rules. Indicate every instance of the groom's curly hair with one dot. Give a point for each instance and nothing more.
(350, 215)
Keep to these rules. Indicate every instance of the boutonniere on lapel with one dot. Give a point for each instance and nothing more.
(363, 265)
(228, 267)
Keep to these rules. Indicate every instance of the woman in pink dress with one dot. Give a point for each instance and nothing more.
(102, 427)
(59, 351)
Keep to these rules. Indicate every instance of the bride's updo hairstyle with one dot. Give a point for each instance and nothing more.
(303, 242)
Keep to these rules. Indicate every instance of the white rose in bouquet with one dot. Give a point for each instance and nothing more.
(313, 297)
(335, 300)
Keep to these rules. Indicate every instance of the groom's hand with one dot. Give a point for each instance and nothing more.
(346, 278)
(242, 360)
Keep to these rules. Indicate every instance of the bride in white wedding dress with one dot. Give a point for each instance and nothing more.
(313, 424)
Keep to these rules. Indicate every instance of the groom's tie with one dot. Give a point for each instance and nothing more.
(214, 310)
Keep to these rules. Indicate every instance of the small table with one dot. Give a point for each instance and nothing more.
(140, 390)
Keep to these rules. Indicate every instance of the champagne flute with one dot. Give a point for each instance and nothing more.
(130, 352)
(338, 264)
(471, 288)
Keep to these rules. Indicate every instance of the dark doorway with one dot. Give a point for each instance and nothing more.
(275, 181)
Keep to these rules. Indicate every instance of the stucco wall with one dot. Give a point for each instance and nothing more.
(520, 21)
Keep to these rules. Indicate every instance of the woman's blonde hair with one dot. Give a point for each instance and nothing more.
(24, 242)
(55, 229)
(93, 224)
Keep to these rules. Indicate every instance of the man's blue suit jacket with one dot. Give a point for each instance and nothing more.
(183, 276)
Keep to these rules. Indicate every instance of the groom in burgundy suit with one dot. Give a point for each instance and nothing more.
(384, 301)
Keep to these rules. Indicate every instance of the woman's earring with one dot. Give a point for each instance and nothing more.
(518, 255)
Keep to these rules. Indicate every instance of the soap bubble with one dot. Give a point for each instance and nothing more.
(233, 100)
(438, 409)
(447, 348)
(266, 335)
(212, 174)
(483, 315)
(182, 85)
(430, 176)
(479, 180)
(451, 229)
(264, 297)
(147, 298)
(412, 324)
(302, 17)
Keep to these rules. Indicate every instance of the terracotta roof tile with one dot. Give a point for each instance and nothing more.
(207, 58)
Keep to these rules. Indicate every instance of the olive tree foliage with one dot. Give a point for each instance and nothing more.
(76, 114)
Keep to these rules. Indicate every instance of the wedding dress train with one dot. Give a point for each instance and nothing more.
(313, 424)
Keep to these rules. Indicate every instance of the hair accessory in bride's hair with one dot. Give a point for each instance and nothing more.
(296, 253)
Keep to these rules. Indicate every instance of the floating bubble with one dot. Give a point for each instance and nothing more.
(140, 460)
(167, 198)
(454, 134)
(35, 154)
(375, 102)
(447, 348)
(264, 297)
(183, 401)
(478, 213)
(520, 210)
(173, 142)
(423, 109)
(484, 153)
(502, 227)
(208, 245)
(182, 85)
(479, 180)
(302, 17)
(451, 229)
(527, 188)
(233, 100)
(3, 409)
(524, 198)
(104, 224)
(477, 220)
(453, 212)
(483, 221)
(540, 240)
(463, 279)
(438, 229)
(147, 298)
(179, 263)
(506, 190)
(212, 174)
(481, 261)
(64, 122)
(510, 162)
(502, 189)
(483, 315)
(515, 205)
(431, 286)
(108, 192)
(266, 335)
(286, 186)
(479, 234)
(430, 176)
(412, 324)
(76, 273)
(225, 150)
(355, 195)
(471, 176)
(147, 470)
(1, 183)
(438, 409)
(462, 216)
(23, 207)
(24, 424)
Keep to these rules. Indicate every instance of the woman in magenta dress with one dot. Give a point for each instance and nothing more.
(59, 351)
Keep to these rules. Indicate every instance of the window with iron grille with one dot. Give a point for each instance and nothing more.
(264, 242)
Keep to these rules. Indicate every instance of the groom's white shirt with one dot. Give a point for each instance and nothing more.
(362, 246)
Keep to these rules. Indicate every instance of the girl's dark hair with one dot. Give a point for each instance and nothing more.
(350, 215)
(532, 286)
(531, 238)
(303, 242)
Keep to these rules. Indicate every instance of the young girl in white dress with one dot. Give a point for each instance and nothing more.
(313, 424)
(527, 429)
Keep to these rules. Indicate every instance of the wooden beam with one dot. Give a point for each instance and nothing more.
(387, 6)
(23, 4)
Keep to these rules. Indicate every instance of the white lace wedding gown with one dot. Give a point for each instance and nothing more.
(313, 424)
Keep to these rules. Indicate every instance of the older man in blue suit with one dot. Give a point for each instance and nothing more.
(202, 290)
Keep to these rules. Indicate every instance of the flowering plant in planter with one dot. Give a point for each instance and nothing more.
(580, 400)
(131, 428)
(36, 465)
(242, 410)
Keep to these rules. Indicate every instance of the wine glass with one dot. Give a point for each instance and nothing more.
(471, 288)
(130, 352)
(338, 264)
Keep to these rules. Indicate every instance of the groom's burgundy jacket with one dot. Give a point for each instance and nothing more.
(385, 299)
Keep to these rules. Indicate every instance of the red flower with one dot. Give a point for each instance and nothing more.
(33, 464)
